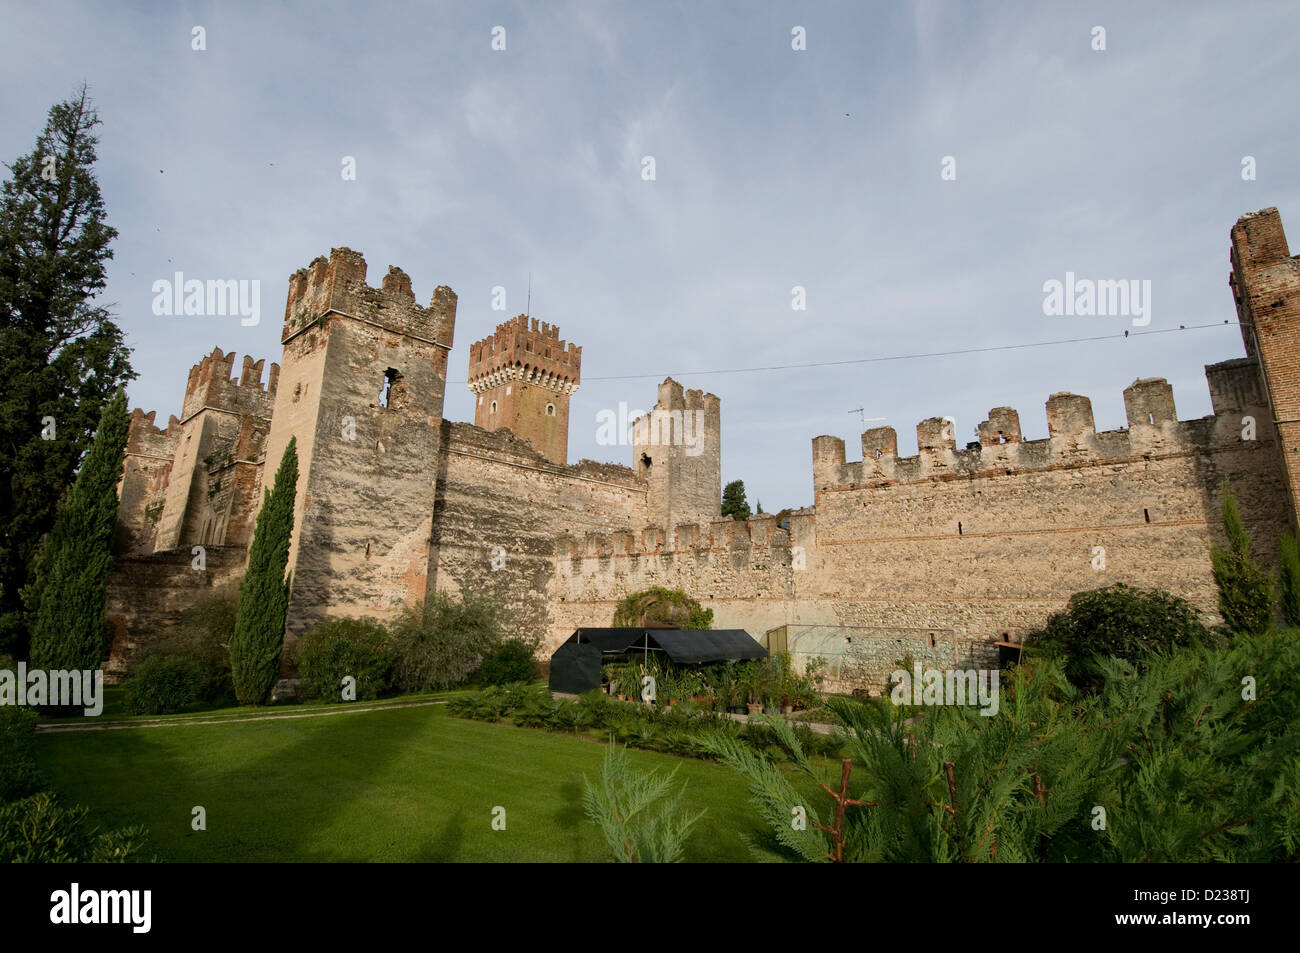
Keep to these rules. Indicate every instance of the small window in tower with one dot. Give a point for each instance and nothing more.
(878, 453)
(1151, 419)
(550, 410)
(959, 529)
(931, 640)
(387, 392)
(494, 407)
(1147, 515)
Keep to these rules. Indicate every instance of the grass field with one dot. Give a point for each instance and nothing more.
(410, 784)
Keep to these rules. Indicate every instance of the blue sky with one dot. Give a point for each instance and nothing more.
(775, 168)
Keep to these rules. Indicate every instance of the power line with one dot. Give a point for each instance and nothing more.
(904, 357)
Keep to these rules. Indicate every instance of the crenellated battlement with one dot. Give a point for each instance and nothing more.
(523, 350)
(1072, 441)
(337, 285)
(211, 385)
(144, 438)
(760, 534)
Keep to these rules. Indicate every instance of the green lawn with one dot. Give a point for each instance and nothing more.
(412, 784)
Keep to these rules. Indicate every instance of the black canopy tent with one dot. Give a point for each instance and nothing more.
(575, 665)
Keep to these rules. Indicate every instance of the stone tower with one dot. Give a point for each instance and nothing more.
(1265, 282)
(522, 377)
(677, 450)
(361, 387)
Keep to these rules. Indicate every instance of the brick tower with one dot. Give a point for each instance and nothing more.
(1265, 282)
(522, 377)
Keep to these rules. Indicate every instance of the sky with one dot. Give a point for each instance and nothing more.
(920, 171)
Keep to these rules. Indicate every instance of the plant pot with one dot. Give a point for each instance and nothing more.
(787, 709)
(737, 710)
(755, 709)
(671, 702)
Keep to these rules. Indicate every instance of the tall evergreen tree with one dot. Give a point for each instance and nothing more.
(61, 357)
(1245, 592)
(734, 503)
(1289, 558)
(258, 639)
(68, 592)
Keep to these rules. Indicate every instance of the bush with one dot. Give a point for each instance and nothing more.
(340, 647)
(164, 684)
(203, 634)
(441, 643)
(510, 661)
(19, 775)
(661, 606)
(1116, 622)
(38, 830)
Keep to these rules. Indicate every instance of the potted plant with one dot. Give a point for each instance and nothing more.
(752, 680)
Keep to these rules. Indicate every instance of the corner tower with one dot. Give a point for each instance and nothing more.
(361, 387)
(522, 377)
(1265, 282)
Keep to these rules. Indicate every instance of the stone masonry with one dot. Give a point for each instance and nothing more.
(948, 551)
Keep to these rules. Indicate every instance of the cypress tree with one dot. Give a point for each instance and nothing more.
(67, 594)
(258, 639)
(1245, 592)
(1289, 557)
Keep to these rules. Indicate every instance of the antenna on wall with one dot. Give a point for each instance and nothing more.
(862, 414)
(528, 308)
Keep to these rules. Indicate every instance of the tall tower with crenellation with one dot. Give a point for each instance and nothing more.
(522, 377)
(361, 389)
(1265, 282)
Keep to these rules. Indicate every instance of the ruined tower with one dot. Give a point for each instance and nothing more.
(522, 377)
(677, 450)
(361, 387)
(1265, 282)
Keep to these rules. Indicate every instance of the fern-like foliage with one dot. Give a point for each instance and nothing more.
(640, 816)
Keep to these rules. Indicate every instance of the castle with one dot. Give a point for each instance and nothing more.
(941, 555)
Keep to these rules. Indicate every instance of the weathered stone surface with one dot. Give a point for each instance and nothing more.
(976, 544)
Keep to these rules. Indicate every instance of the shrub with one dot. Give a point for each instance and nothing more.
(203, 634)
(19, 775)
(38, 830)
(661, 606)
(1116, 622)
(642, 820)
(340, 647)
(441, 643)
(1245, 592)
(164, 684)
(510, 661)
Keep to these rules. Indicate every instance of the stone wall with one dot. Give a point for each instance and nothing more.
(500, 505)
(148, 593)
